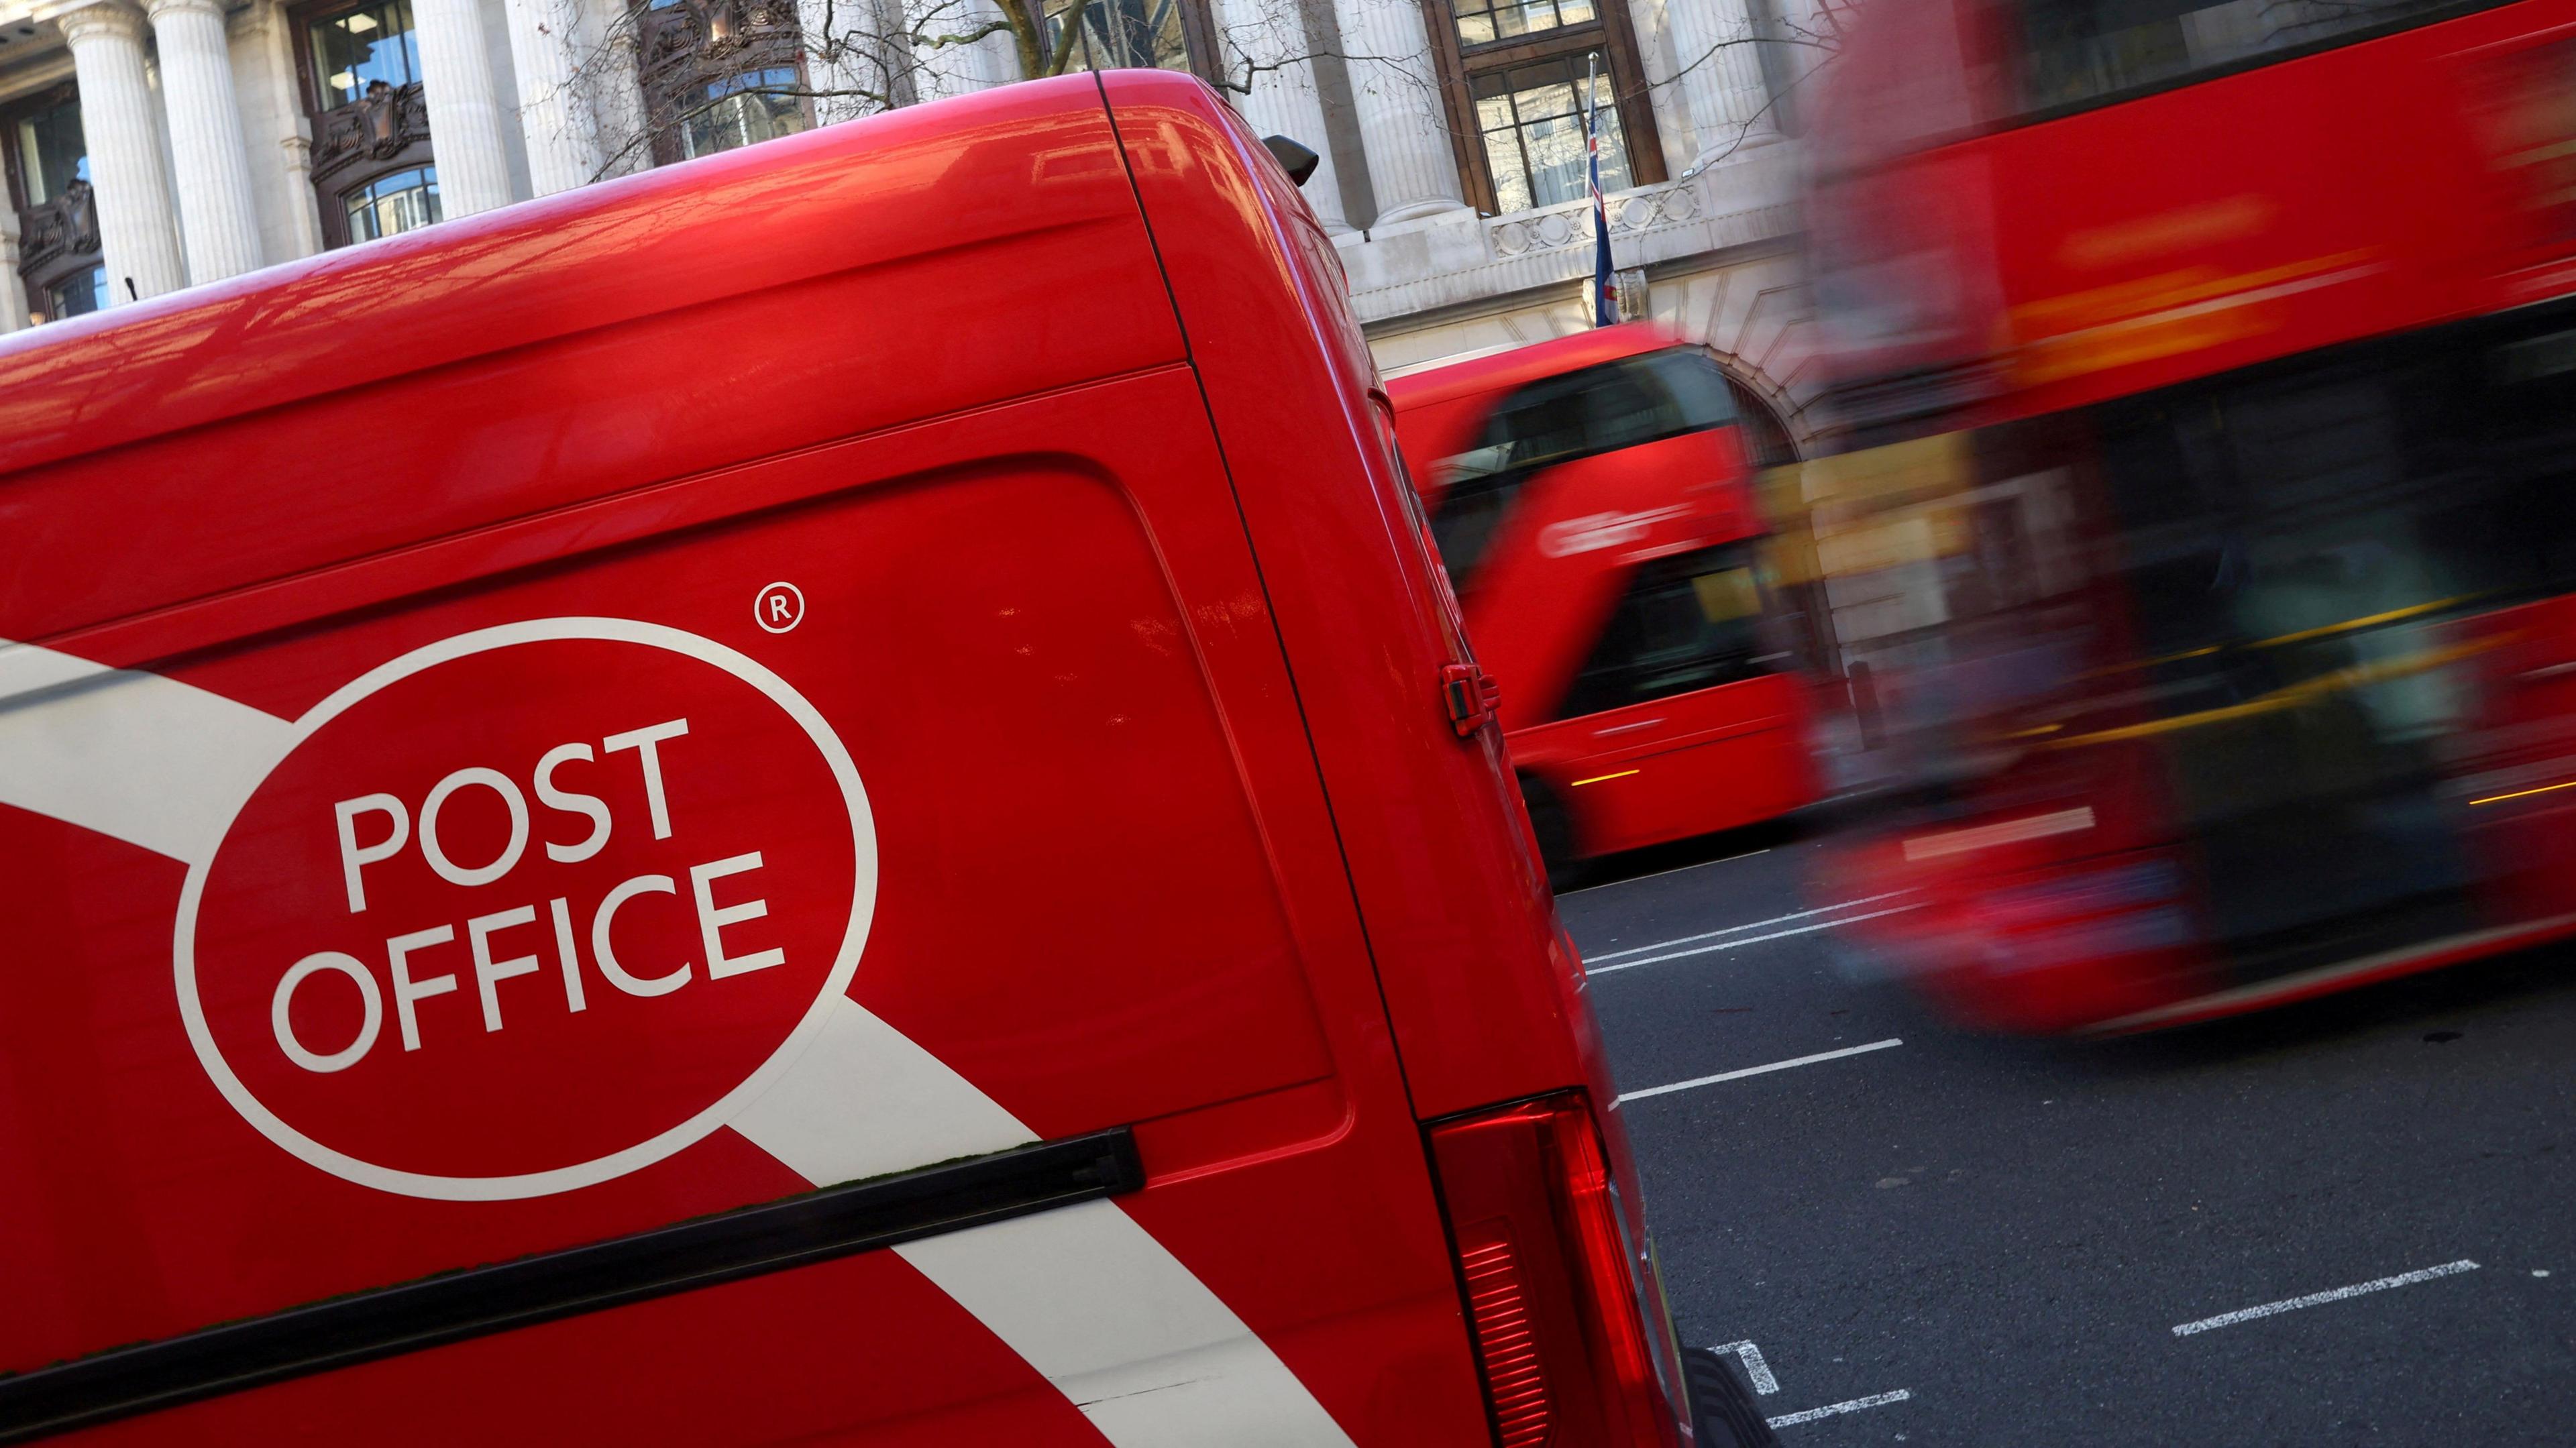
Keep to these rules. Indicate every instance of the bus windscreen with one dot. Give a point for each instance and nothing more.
(2080, 51)
(1622, 404)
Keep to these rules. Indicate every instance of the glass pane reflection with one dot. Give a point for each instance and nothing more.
(1532, 119)
(393, 204)
(353, 50)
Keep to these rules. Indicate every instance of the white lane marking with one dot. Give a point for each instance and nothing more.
(2335, 1294)
(1628, 1096)
(145, 759)
(1675, 870)
(166, 766)
(1740, 929)
(1749, 940)
(1875, 1400)
(1125, 1331)
(1754, 1366)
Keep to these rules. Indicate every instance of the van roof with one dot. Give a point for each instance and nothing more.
(1518, 365)
(656, 241)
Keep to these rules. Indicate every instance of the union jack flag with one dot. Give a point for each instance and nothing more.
(1605, 284)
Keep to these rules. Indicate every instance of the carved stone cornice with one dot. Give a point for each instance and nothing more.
(698, 42)
(62, 228)
(110, 18)
(379, 127)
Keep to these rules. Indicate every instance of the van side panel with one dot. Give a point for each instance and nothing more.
(1484, 999)
(1013, 787)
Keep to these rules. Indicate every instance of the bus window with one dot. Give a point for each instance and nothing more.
(1621, 404)
(2076, 51)
(1686, 623)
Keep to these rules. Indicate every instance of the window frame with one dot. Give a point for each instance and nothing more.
(53, 271)
(333, 186)
(350, 191)
(1991, 34)
(1602, 661)
(308, 19)
(1609, 31)
(1501, 486)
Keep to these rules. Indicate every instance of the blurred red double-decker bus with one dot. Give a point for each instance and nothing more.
(1593, 506)
(2206, 375)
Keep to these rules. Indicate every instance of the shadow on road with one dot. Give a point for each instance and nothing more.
(1699, 850)
(2442, 1006)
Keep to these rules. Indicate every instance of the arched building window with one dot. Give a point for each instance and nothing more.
(1765, 439)
(395, 202)
(718, 74)
(48, 183)
(1799, 593)
(373, 174)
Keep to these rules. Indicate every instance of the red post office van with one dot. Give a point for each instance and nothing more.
(826, 795)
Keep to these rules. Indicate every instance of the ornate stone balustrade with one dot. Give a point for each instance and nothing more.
(1462, 259)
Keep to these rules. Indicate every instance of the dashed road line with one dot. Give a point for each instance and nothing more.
(1739, 929)
(1628, 1096)
(1754, 1367)
(1875, 1400)
(2334, 1294)
(1748, 940)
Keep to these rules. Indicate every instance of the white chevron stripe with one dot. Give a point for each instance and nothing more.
(1126, 1331)
(865, 1099)
(146, 759)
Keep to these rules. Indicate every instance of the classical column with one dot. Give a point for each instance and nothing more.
(857, 57)
(136, 227)
(1721, 76)
(276, 118)
(464, 119)
(297, 155)
(938, 72)
(1412, 164)
(207, 161)
(563, 149)
(1284, 101)
(13, 287)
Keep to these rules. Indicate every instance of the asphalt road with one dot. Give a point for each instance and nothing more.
(2008, 1233)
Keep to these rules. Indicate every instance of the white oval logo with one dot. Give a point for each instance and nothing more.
(528, 909)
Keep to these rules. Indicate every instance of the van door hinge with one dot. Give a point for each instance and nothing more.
(1471, 695)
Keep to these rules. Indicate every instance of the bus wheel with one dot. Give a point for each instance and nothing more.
(1555, 831)
(1723, 1415)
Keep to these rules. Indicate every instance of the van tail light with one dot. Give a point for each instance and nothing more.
(1566, 1317)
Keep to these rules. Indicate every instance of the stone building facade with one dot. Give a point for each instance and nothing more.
(156, 144)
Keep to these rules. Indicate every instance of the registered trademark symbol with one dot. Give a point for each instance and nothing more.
(780, 607)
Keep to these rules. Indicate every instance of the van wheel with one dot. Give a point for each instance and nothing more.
(1555, 831)
(1723, 1414)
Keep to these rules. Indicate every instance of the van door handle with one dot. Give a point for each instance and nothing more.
(1471, 695)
